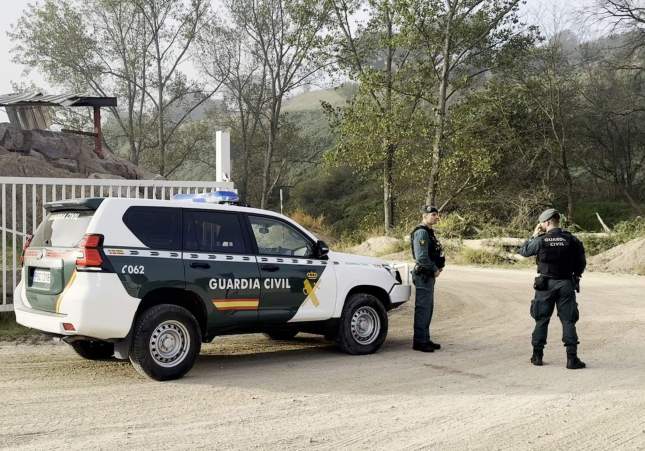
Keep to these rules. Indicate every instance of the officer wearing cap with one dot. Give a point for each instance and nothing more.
(428, 255)
(561, 261)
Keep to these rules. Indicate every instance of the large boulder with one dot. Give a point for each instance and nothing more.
(17, 165)
(64, 154)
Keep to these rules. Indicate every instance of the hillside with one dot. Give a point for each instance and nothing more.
(310, 100)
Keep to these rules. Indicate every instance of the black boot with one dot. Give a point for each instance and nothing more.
(423, 347)
(574, 363)
(436, 346)
(536, 358)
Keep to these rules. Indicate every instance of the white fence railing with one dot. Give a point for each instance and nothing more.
(21, 210)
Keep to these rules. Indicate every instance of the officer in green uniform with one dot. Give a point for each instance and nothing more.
(561, 261)
(428, 255)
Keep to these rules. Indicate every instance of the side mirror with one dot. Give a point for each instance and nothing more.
(321, 250)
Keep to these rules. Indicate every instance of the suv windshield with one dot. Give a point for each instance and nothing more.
(62, 229)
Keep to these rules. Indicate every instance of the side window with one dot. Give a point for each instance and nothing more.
(277, 238)
(156, 227)
(212, 231)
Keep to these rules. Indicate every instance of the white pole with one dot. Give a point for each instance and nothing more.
(280, 200)
(222, 156)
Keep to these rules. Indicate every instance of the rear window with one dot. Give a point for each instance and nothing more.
(62, 229)
(156, 227)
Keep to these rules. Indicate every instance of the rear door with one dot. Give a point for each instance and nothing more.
(220, 268)
(290, 274)
(50, 260)
(158, 264)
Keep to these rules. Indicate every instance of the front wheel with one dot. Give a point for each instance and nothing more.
(166, 342)
(93, 350)
(363, 325)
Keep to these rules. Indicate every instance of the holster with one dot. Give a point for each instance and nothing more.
(541, 283)
(423, 273)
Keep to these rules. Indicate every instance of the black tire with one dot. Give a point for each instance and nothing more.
(360, 308)
(173, 326)
(93, 350)
(281, 334)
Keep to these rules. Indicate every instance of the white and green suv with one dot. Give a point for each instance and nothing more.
(150, 280)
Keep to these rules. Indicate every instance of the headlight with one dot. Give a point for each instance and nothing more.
(393, 272)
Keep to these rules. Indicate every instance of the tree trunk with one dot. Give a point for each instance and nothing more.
(266, 170)
(568, 180)
(637, 208)
(160, 129)
(440, 115)
(388, 177)
(388, 188)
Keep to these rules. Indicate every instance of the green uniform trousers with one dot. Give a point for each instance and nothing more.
(559, 293)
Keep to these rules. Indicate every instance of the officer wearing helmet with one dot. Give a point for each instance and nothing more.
(561, 261)
(428, 256)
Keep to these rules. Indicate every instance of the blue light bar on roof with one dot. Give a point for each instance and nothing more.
(215, 197)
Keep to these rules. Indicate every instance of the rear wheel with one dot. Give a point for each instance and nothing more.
(363, 325)
(93, 350)
(166, 342)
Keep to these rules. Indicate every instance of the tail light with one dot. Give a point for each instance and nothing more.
(90, 256)
(25, 245)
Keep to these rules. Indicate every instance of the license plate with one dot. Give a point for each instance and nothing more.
(42, 277)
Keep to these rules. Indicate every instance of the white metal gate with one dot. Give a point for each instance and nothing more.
(21, 209)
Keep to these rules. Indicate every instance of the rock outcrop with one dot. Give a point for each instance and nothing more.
(43, 153)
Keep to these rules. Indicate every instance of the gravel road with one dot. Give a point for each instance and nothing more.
(247, 392)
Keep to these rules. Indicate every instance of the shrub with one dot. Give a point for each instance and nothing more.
(630, 229)
(454, 225)
(623, 231)
(597, 244)
(482, 257)
(308, 221)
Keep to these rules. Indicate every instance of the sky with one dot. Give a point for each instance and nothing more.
(535, 11)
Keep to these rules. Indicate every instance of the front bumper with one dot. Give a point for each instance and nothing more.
(400, 294)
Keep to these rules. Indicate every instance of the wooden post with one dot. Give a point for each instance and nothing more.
(98, 137)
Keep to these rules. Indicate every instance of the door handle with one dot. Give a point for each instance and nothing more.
(269, 268)
(200, 265)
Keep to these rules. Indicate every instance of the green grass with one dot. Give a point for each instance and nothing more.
(10, 329)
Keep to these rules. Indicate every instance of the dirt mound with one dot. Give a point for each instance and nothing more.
(625, 258)
(377, 246)
(43, 153)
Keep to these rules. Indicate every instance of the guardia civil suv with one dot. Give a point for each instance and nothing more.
(150, 280)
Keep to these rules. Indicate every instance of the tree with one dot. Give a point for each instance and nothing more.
(131, 49)
(461, 40)
(550, 80)
(285, 36)
(224, 56)
(375, 128)
(613, 130)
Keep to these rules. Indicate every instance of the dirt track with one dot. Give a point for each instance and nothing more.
(247, 392)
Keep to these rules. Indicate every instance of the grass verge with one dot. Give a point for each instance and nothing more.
(10, 329)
